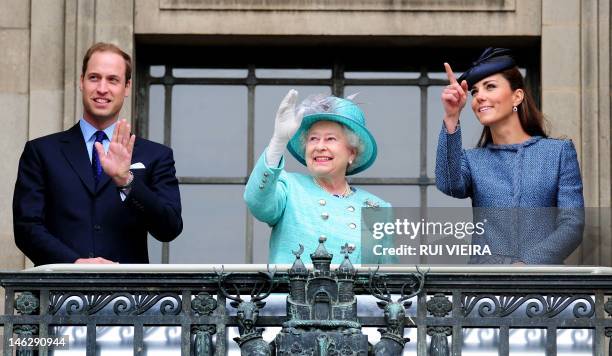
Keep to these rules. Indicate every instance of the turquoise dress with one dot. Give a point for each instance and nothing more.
(299, 212)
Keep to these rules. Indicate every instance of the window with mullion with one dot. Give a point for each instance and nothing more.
(218, 121)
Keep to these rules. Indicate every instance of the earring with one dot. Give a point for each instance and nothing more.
(514, 108)
(350, 162)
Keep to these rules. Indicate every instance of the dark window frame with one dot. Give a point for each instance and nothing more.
(331, 54)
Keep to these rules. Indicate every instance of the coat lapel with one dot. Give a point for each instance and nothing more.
(104, 179)
(75, 151)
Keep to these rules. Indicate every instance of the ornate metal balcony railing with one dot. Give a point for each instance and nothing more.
(457, 310)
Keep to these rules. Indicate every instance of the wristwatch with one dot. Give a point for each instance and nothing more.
(127, 185)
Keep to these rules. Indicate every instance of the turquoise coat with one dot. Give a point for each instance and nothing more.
(299, 212)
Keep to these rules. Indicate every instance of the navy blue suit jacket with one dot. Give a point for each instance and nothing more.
(59, 215)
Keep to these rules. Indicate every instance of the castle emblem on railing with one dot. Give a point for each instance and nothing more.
(322, 310)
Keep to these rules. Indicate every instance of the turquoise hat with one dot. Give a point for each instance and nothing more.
(343, 111)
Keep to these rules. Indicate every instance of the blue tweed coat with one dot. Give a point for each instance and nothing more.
(530, 193)
(299, 212)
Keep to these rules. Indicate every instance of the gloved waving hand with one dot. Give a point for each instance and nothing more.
(286, 124)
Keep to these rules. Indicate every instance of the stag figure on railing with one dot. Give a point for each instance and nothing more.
(392, 339)
(250, 341)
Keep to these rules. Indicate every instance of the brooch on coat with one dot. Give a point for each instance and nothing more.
(370, 204)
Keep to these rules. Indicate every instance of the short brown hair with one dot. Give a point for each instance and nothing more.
(108, 47)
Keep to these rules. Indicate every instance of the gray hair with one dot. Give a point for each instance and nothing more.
(351, 137)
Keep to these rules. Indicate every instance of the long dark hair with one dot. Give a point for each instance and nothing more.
(531, 119)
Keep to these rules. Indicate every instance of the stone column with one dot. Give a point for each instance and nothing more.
(114, 23)
(46, 67)
(14, 86)
(576, 100)
(87, 22)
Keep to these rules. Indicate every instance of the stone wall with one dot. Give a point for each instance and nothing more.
(43, 42)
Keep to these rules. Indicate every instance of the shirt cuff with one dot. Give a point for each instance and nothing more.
(457, 128)
(123, 193)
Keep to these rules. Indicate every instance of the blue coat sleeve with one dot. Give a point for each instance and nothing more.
(452, 169)
(569, 194)
(159, 205)
(29, 204)
(569, 214)
(266, 191)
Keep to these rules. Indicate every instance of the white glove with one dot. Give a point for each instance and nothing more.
(286, 124)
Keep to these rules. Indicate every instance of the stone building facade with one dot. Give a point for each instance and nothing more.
(43, 42)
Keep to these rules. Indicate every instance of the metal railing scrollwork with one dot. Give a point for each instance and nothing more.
(317, 309)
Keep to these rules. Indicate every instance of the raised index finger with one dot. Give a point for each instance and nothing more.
(449, 73)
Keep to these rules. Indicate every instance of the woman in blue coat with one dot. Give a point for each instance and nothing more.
(526, 185)
(328, 135)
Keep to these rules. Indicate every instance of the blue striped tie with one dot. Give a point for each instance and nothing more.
(95, 160)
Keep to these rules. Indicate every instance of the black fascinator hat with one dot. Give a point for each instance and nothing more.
(491, 61)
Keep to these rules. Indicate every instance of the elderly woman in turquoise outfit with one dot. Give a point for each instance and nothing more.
(328, 135)
(526, 184)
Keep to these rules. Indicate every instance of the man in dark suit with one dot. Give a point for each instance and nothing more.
(90, 194)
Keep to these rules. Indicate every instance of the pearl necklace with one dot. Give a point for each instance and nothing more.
(346, 193)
